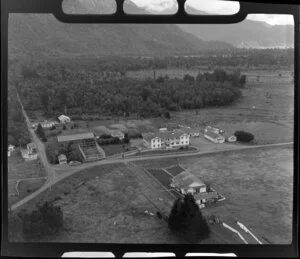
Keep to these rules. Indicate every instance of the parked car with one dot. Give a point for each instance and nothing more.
(74, 163)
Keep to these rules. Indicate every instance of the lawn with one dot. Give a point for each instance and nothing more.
(258, 187)
(175, 170)
(111, 150)
(20, 169)
(161, 176)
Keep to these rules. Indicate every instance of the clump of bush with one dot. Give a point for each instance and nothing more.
(243, 136)
(134, 134)
(76, 117)
(46, 220)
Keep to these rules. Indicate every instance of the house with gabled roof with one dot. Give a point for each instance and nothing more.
(186, 182)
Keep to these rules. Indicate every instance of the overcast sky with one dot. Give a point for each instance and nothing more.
(215, 6)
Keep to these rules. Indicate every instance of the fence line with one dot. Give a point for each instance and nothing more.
(235, 231)
(242, 226)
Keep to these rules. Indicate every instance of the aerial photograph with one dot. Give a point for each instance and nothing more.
(150, 133)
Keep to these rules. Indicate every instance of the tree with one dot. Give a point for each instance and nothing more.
(243, 136)
(188, 78)
(126, 138)
(186, 220)
(243, 79)
(41, 133)
(167, 115)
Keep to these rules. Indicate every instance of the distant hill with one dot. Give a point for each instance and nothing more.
(41, 35)
(249, 33)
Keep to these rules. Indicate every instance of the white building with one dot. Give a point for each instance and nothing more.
(62, 159)
(64, 119)
(212, 135)
(166, 139)
(10, 149)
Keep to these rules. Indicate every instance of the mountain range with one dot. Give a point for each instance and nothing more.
(41, 35)
(246, 34)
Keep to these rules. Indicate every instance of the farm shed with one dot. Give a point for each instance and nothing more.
(75, 137)
(186, 182)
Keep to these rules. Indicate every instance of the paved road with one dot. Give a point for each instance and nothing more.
(57, 173)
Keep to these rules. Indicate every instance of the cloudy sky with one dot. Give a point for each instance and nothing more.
(215, 7)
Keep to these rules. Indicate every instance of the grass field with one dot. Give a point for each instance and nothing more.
(19, 169)
(161, 176)
(111, 150)
(105, 205)
(175, 170)
(258, 187)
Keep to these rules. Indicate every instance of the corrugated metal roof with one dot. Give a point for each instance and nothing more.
(75, 137)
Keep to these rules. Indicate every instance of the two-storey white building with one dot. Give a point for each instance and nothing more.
(166, 139)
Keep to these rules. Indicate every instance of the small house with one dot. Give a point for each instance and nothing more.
(64, 119)
(10, 149)
(163, 129)
(62, 159)
(230, 137)
(27, 155)
(117, 134)
(186, 182)
(31, 147)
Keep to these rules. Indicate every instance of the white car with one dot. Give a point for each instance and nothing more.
(74, 163)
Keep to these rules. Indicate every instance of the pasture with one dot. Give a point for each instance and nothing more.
(30, 175)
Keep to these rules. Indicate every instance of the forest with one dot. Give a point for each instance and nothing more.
(17, 129)
(57, 89)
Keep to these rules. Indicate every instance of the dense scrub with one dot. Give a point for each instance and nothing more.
(17, 129)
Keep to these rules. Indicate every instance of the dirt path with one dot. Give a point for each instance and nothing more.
(40, 146)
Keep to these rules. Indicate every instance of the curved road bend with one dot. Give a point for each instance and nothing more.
(59, 177)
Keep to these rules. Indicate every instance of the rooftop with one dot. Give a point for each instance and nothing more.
(212, 134)
(186, 179)
(75, 137)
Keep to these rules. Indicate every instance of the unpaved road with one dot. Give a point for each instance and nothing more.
(63, 172)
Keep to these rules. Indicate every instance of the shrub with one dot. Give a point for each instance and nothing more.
(76, 117)
(243, 136)
(45, 220)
